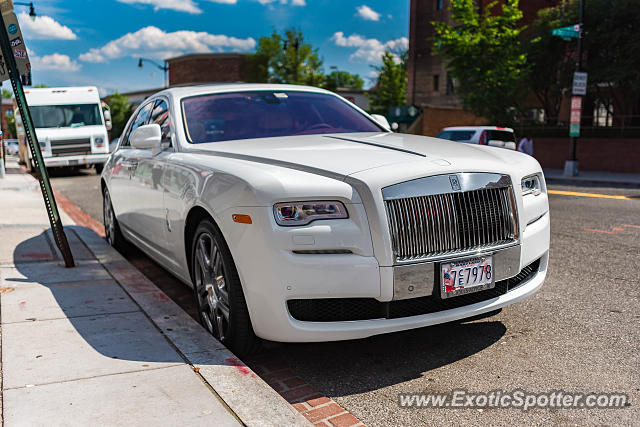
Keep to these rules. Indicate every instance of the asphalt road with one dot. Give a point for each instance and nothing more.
(578, 333)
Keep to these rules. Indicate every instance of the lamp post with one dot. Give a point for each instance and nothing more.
(32, 12)
(334, 68)
(164, 68)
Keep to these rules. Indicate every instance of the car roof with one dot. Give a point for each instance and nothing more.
(203, 89)
(474, 128)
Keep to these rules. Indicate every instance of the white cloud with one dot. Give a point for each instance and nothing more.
(155, 43)
(44, 27)
(283, 2)
(179, 5)
(55, 61)
(367, 13)
(369, 50)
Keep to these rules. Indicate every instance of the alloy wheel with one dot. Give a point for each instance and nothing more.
(211, 286)
(109, 220)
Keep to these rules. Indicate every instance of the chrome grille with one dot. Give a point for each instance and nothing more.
(70, 147)
(433, 225)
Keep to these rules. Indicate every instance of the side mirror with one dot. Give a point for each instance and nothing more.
(381, 120)
(147, 137)
(107, 119)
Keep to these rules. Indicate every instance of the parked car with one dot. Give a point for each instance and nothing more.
(296, 216)
(494, 136)
(11, 146)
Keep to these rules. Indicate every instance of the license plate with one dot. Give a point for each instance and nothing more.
(74, 162)
(466, 276)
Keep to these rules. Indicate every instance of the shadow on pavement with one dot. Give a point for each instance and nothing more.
(345, 368)
(106, 318)
(88, 297)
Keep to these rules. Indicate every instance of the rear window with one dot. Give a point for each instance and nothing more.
(456, 135)
(500, 135)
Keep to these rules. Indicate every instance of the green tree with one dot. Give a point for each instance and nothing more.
(342, 79)
(40, 85)
(550, 65)
(286, 58)
(483, 53)
(11, 125)
(612, 52)
(121, 110)
(391, 87)
(6, 94)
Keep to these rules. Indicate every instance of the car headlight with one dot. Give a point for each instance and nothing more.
(302, 213)
(99, 141)
(531, 185)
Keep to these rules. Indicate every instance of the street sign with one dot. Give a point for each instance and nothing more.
(576, 110)
(567, 33)
(17, 43)
(579, 83)
(16, 65)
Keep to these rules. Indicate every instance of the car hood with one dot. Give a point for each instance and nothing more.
(350, 153)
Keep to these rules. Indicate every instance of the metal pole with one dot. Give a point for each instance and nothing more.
(574, 139)
(34, 147)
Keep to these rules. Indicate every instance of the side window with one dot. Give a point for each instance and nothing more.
(160, 115)
(139, 120)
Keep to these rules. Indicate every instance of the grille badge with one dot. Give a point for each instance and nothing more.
(455, 182)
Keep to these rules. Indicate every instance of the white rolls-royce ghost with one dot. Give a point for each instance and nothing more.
(296, 216)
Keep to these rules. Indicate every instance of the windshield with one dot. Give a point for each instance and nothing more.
(56, 116)
(244, 115)
(456, 135)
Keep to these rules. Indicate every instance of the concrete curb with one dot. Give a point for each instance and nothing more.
(253, 401)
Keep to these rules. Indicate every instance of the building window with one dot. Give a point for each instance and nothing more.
(450, 87)
(439, 4)
(436, 82)
(602, 114)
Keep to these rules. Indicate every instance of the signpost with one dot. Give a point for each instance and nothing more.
(14, 65)
(579, 83)
(576, 109)
(579, 89)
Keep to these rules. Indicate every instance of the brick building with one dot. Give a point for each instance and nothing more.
(429, 82)
(207, 68)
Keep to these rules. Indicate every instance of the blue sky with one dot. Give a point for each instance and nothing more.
(98, 42)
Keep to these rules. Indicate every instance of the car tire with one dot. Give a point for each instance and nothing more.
(99, 168)
(218, 294)
(112, 233)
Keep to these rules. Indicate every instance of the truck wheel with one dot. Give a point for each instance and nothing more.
(218, 292)
(99, 168)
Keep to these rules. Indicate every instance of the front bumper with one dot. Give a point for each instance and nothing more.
(82, 160)
(272, 275)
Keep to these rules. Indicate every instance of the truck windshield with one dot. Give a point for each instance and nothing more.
(57, 116)
(244, 115)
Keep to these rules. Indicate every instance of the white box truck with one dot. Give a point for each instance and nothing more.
(71, 125)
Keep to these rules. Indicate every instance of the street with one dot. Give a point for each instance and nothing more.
(578, 333)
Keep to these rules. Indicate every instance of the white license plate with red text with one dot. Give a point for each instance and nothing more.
(466, 276)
